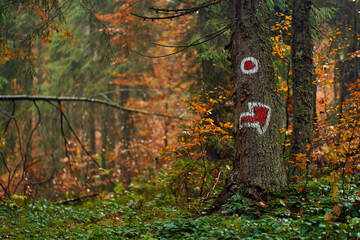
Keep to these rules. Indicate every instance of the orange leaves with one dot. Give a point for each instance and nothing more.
(301, 161)
(7, 52)
(62, 108)
(281, 28)
(355, 54)
(200, 108)
(194, 143)
(328, 216)
(336, 210)
(339, 145)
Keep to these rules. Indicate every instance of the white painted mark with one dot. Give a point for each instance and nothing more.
(258, 117)
(249, 65)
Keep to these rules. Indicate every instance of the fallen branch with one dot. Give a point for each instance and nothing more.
(80, 99)
(67, 201)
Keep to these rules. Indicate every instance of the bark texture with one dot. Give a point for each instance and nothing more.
(258, 163)
(302, 76)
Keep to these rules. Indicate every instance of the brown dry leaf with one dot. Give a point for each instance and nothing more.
(334, 178)
(358, 194)
(337, 210)
(335, 190)
(328, 216)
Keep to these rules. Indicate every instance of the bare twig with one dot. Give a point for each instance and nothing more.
(29, 141)
(62, 116)
(77, 139)
(212, 189)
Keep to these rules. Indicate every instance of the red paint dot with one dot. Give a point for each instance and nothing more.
(248, 65)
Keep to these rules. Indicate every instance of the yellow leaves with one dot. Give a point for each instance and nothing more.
(335, 191)
(66, 34)
(334, 178)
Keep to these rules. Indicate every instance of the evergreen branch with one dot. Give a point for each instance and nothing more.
(81, 99)
(195, 43)
(91, 14)
(160, 18)
(193, 9)
(184, 11)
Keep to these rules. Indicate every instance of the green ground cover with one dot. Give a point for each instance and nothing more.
(315, 213)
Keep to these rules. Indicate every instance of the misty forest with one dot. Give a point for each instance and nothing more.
(179, 119)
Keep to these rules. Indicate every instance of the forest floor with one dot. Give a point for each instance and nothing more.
(322, 210)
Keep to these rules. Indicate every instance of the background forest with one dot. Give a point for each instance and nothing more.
(132, 104)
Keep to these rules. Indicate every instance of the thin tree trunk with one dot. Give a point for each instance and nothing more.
(126, 127)
(303, 88)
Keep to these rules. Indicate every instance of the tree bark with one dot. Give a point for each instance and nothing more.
(258, 164)
(302, 76)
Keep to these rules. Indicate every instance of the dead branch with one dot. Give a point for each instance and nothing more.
(81, 99)
(67, 201)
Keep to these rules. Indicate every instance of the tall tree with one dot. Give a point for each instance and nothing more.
(302, 77)
(258, 163)
(347, 68)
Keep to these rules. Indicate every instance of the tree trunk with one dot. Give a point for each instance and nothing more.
(126, 127)
(258, 164)
(302, 76)
(348, 71)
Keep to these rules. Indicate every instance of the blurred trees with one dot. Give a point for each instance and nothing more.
(90, 61)
(105, 50)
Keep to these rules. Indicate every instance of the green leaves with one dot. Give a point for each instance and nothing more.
(129, 215)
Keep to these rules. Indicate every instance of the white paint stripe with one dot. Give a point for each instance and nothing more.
(255, 125)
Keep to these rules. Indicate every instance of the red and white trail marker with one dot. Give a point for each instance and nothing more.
(258, 117)
(249, 65)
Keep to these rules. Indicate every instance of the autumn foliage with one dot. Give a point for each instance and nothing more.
(189, 148)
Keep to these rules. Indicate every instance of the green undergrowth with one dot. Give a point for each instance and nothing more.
(315, 212)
